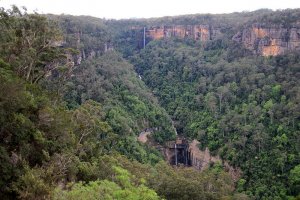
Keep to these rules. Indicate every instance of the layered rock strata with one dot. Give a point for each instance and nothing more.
(269, 40)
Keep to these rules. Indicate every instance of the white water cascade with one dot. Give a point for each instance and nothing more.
(176, 154)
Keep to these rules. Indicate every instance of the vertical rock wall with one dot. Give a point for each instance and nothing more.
(197, 32)
(269, 40)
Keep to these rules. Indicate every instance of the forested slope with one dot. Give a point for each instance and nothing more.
(68, 130)
(245, 109)
(241, 105)
(76, 91)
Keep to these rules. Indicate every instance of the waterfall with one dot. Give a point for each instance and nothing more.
(144, 37)
(186, 155)
(175, 154)
(174, 128)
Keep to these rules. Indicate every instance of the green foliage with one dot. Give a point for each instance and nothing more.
(188, 183)
(28, 43)
(241, 185)
(241, 106)
(121, 188)
(128, 104)
(86, 34)
(32, 185)
(244, 109)
(45, 143)
(31, 135)
(294, 179)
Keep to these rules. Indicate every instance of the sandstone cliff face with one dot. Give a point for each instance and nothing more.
(197, 32)
(85, 53)
(201, 160)
(269, 40)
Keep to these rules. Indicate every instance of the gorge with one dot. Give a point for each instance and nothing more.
(90, 108)
(265, 40)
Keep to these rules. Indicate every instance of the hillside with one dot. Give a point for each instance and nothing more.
(76, 92)
(234, 87)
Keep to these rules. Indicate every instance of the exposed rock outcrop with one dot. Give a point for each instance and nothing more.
(198, 32)
(269, 40)
(188, 154)
(201, 160)
(85, 52)
(143, 136)
(265, 40)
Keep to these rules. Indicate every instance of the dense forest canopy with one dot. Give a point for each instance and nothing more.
(76, 92)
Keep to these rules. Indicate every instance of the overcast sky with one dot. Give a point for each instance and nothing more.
(146, 8)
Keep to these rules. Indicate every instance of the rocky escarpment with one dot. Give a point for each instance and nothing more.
(91, 51)
(201, 160)
(265, 40)
(269, 40)
(182, 152)
(197, 32)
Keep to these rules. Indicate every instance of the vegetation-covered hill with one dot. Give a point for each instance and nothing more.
(76, 91)
(246, 109)
(240, 105)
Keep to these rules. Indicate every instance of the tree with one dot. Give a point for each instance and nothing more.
(211, 102)
(294, 180)
(222, 91)
(31, 43)
(121, 187)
